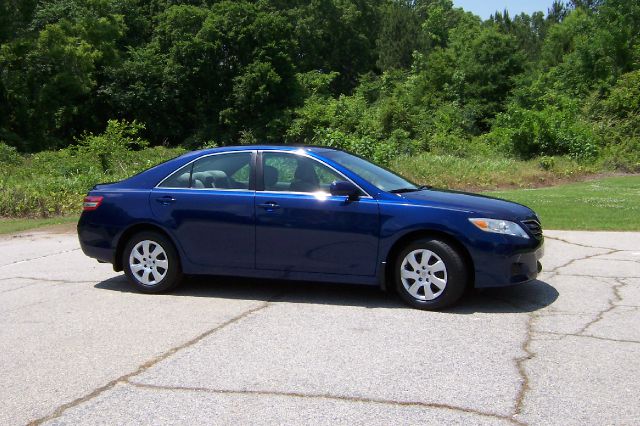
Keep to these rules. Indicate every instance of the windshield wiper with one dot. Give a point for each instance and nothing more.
(403, 190)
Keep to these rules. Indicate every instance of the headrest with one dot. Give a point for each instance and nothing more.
(270, 176)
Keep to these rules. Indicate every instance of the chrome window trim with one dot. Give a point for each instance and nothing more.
(305, 154)
(296, 152)
(250, 151)
(207, 189)
(312, 194)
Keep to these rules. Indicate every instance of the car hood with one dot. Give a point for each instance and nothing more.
(474, 203)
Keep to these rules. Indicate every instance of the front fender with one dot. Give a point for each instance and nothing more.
(397, 221)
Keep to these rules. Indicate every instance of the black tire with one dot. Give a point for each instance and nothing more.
(172, 273)
(456, 274)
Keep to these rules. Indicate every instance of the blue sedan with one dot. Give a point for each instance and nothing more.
(306, 213)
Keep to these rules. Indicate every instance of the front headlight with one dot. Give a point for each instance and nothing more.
(499, 226)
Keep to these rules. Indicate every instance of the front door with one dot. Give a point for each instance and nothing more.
(300, 227)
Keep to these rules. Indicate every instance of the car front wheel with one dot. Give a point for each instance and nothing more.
(151, 262)
(430, 274)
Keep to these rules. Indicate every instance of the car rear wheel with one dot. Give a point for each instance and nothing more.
(151, 262)
(430, 274)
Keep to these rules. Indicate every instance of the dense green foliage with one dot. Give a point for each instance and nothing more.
(376, 76)
(95, 90)
(52, 183)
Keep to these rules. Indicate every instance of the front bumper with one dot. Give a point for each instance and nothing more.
(509, 269)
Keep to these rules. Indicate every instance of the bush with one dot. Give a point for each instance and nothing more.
(618, 117)
(624, 156)
(112, 147)
(9, 155)
(479, 173)
(379, 152)
(551, 131)
(52, 183)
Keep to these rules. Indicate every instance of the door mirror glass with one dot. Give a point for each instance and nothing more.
(344, 188)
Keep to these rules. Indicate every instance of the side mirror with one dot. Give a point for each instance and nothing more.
(344, 188)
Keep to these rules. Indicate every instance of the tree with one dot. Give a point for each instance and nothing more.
(337, 35)
(397, 41)
(211, 73)
(14, 17)
(47, 79)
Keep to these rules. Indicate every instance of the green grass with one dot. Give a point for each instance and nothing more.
(11, 226)
(609, 204)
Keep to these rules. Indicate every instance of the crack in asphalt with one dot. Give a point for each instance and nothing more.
(588, 336)
(595, 276)
(148, 364)
(520, 365)
(519, 400)
(345, 398)
(37, 282)
(10, 278)
(49, 280)
(546, 237)
(572, 261)
(617, 297)
(38, 303)
(17, 262)
(17, 288)
(532, 316)
(622, 260)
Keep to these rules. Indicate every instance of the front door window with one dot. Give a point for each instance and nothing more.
(284, 172)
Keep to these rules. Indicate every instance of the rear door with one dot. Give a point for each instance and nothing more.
(209, 207)
(301, 227)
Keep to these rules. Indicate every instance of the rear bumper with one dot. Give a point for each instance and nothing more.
(511, 269)
(95, 242)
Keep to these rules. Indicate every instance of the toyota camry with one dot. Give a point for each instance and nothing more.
(306, 213)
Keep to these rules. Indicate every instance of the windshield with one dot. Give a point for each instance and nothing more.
(380, 177)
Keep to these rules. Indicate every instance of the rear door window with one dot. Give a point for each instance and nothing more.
(218, 171)
(179, 179)
(222, 171)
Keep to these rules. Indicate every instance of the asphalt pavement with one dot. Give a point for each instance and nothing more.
(79, 346)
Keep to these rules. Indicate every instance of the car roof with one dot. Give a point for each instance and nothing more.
(310, 148)
(150, 177)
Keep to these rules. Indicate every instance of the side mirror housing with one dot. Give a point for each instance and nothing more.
(344, 188)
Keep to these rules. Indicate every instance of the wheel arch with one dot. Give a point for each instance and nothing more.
(131, 231)
(412, 236)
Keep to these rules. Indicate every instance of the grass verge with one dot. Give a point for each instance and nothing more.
(11, 226)
(608, 204)
(487, 173)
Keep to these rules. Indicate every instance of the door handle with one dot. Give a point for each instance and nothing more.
(166, 200)
(269, 205)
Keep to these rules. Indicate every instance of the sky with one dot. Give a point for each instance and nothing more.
(484, 8)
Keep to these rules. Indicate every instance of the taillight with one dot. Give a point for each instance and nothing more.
(91, 202)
